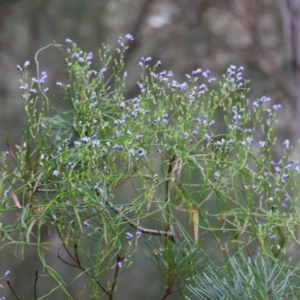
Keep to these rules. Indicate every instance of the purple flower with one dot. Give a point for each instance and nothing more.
(196, 72)
(202, 87)
(85, 139)
(288, 166)
(86, 223)
(24, 87)
(286, 144)
(129, 235)
(183, 87)
(249, 140)
(158, 64)
(206, 73)
(141, 152)
(277, 170)
(55, 173)
(89, 56)
(120, 40)
(129, 37)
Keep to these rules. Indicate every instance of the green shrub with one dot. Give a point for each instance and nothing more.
(176, 173)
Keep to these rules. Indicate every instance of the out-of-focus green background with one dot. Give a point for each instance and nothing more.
(261, 35)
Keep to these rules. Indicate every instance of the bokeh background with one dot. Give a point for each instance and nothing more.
(261, 35)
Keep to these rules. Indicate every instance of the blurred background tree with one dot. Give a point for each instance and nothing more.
(261, 35)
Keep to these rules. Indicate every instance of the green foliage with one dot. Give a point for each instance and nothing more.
(178, 162)
(241, 278)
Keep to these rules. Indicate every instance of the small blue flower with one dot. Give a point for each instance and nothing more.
(196, 72)
(158, 64)
(129, 235)
(207, 137)
(86, 139)
(89, 56)
(129, 37)
(286, 144)
(211, 80)
(86, 223)
(277, 170)
(55, 173)
(206, 73)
